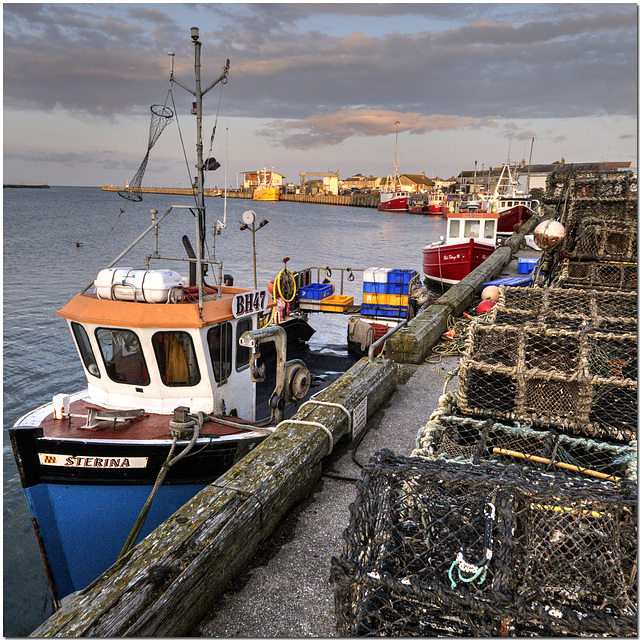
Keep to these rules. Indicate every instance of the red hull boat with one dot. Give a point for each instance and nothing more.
(471, 239)
(393, 201)
(448, 264)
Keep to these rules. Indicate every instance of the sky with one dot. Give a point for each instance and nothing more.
(315, 87)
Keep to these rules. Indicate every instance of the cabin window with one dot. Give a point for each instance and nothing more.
(122, 355)
(220, 339)
(243, 354)
(176, 358)
(472, 228)
(454, 228)
(489, 228)
(84, 346)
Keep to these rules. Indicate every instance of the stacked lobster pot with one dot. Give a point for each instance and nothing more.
(517, 512)
(601, 243)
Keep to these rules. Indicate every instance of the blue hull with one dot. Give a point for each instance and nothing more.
(84, 527)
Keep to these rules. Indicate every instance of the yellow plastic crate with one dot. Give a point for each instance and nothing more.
(336, 303)
(387, 299)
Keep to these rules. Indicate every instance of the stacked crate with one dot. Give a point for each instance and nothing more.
(385, 292)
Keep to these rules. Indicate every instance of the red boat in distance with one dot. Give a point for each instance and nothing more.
(392, 197)
(471, 239)
(435, 202)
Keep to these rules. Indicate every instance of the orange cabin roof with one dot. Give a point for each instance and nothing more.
(89, 308)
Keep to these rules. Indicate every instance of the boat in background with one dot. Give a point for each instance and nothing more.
(266, 189)
(471, 238)
(170, 403)
(435, 202)
(514, 207)
(392, 196)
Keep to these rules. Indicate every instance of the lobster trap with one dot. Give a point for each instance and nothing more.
(457, 437)
(581, 379)
(591, 184)
(437, 547)
(611, 276)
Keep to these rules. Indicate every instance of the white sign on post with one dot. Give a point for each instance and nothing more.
(359, 419)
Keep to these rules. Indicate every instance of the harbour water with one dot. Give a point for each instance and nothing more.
(56, 241)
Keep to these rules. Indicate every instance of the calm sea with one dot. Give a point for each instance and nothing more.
(43, 268)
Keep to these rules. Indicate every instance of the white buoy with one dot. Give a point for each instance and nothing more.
(549, 234)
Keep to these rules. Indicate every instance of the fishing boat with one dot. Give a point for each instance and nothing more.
(266, 189)
(392, 196)
(471, 238)
(514, 207)
(435, 202)
(170, 402)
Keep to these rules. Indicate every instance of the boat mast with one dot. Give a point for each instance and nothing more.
(395, 160)
(198, 94)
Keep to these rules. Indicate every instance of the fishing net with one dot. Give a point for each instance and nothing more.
(437, 547)
(555, 358)
(450, 435)
(161, 116)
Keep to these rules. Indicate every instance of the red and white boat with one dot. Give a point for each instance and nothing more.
(513, 206)
(471, 239)
(435, 202)
(392, 197)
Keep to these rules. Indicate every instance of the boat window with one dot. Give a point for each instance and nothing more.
(122, 356)
(472, 228)
(454, 228)
(176, 358)
(489, 228)
(243, 354)
(220, 342)
(86, 352)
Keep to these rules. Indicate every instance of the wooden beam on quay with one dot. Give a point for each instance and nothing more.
(165, 584)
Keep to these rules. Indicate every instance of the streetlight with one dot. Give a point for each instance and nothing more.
(249, 218)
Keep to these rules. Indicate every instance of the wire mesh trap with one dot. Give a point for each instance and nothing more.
(451, 436)
(591, 184)
(550, 358)
(437, 547)
(611, 276)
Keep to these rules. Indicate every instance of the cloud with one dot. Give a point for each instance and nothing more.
(321, 130)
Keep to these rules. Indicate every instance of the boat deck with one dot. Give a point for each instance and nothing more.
(151, 426)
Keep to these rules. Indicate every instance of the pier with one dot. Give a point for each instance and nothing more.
(358, 200)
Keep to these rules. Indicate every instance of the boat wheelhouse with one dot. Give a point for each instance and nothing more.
(471, 239)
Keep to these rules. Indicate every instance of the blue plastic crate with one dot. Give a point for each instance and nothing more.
(316, 291)
(383, 311)
(526, 265)
(374, 287)
(398, 289)
(510, 281)
(401, 276)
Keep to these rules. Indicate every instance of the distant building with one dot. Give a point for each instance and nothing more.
(416, 183)
(358, 181)
(530, 177)
(251, 179)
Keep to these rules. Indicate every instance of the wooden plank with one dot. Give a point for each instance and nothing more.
(165, 584)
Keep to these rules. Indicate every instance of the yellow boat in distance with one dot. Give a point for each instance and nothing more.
(265, 189)
(266, 193)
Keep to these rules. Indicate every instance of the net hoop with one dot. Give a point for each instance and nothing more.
(161, 110)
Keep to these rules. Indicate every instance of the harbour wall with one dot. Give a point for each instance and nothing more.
(358, 200)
